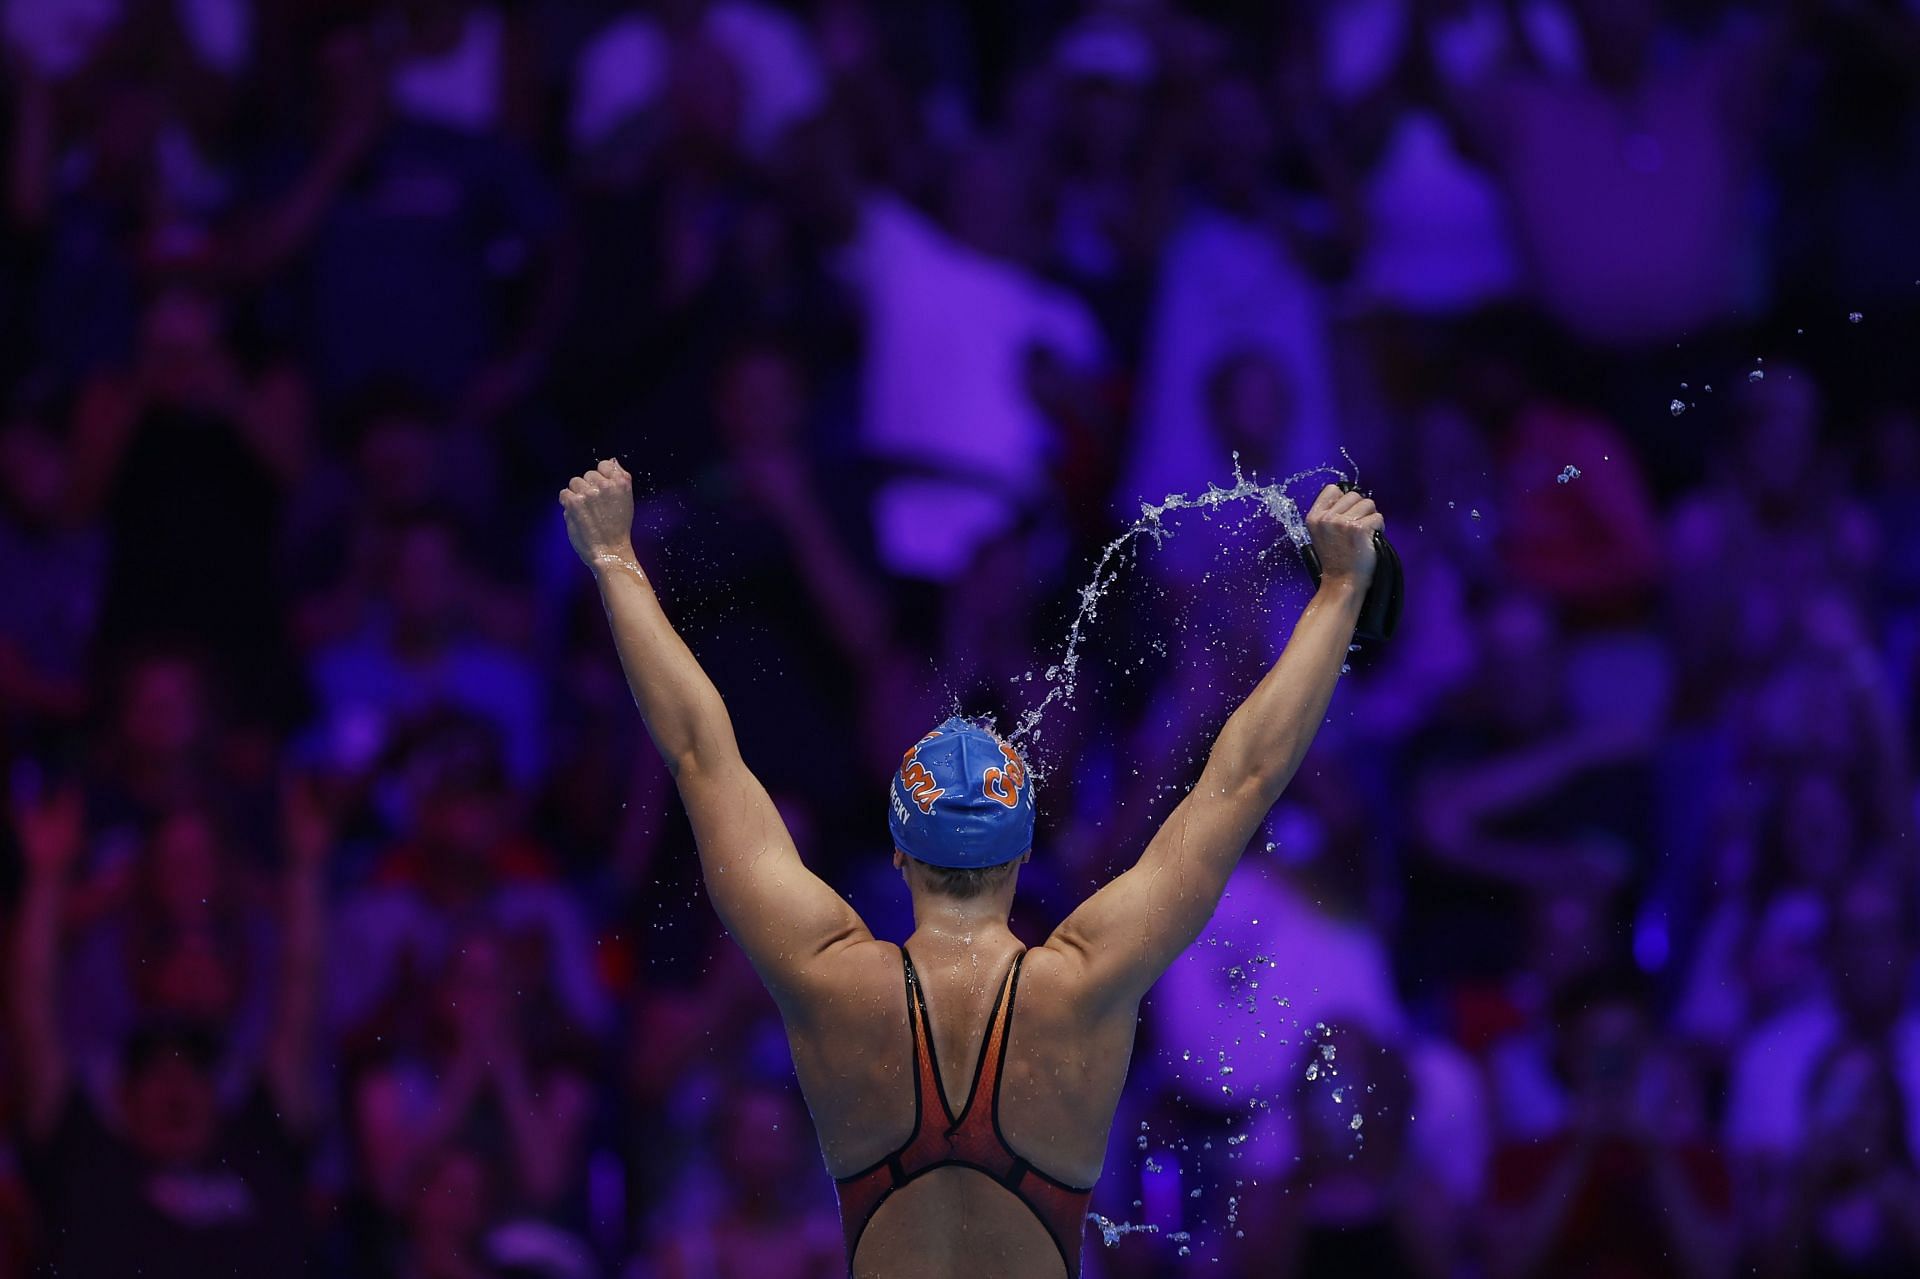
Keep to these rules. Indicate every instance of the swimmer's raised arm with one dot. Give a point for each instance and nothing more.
(784, 916)
(1125, 935)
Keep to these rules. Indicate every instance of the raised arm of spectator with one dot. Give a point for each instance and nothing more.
(1125, 935)
(51, 833)
(781, 914)
(1458, 811)
(1702, 1239)
(845, 600)
(356, 83)
(308, 833)
(547, 1123)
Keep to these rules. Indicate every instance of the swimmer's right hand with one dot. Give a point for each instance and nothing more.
(1342, 524)
(599, 507)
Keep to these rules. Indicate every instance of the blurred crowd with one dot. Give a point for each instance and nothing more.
(351, 927)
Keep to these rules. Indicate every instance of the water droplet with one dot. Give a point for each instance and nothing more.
(1854, 317)
(1357, 1121)
(1677, 407)
(1756, 376)
(1568, 475)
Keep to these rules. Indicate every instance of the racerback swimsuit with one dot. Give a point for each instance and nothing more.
(971, 1140)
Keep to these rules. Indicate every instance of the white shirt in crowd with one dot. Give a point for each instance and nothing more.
(949, 333)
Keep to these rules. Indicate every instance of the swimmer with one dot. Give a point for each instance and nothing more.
(962, 1082)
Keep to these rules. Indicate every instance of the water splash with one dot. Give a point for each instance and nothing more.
(1111, 1231)
(1272, 498)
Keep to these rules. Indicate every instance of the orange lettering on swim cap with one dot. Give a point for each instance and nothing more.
(918, 782)
(1004, 784)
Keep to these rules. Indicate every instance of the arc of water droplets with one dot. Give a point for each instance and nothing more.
(1273, 498)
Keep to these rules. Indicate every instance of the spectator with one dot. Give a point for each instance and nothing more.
(55, 561)
(178, 937)
(1854, 1207)
(462, 861)
(447, 1219)
(624, 70)
(1867, 996)
(951, 321)
(415, 651)
(190, 1184)
(770, 1226)
(1581, 1202)
(1628, 179)
(417, 262)
(489, 1074)
(1357, 1202)
(188, 456)
(1233, 278)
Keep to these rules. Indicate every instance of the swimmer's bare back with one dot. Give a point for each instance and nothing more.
(847, 998)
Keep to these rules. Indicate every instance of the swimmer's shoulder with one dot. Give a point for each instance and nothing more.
(1055, 988)
(848, 985)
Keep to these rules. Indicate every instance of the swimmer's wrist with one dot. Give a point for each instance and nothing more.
(615, 559)
(1341, 588)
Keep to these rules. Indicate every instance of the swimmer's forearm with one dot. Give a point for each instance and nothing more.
(683, 711)
(1263, 741)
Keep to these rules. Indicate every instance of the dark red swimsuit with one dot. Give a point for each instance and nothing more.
(972, 1140)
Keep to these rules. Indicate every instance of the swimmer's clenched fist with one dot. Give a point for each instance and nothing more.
(599, 507)
(1342, 525)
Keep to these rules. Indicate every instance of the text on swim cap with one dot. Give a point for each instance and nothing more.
(918, 782)
(1004, 784)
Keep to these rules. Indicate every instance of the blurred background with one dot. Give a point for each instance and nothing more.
(351, 927)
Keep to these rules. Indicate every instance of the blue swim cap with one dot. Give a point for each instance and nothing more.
(961, 799)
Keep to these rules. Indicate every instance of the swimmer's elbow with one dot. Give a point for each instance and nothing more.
(1246, 781)
(837, 939)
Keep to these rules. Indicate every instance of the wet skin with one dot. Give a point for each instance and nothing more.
(1065, 1066)
(842, 992)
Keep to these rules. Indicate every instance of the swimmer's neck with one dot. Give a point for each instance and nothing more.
(945, 924)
